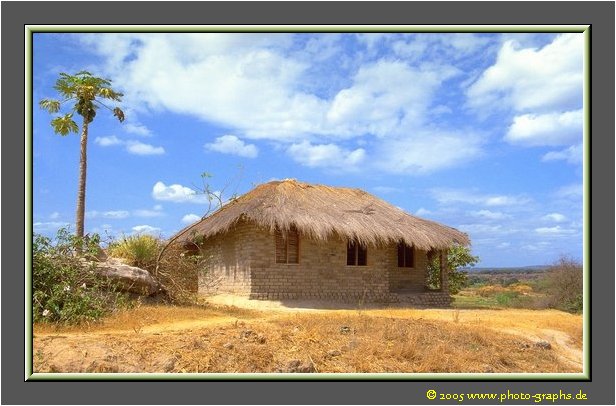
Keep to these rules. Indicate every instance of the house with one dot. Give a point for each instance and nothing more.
(287, 240)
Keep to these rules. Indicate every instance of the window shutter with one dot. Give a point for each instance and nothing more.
(362, 255)
(293, 247)
(281, 248)
(351, 247)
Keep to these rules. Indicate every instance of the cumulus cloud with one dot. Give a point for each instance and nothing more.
(131, 146)
(260, 86)
(546, 129)
(146, 229)
(533, 79)
(572, 155)
(230, 144)
(140, 148)
(557, 217)
(177, 193)
(108, 141)
(326, 155)
(190, 218)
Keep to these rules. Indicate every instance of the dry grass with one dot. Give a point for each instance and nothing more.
(196, 339)
(321, 212)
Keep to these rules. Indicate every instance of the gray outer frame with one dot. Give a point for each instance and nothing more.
(16, 14)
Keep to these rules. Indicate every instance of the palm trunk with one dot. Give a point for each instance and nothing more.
(81, 190)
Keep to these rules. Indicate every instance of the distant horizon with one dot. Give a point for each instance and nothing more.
(482, 132)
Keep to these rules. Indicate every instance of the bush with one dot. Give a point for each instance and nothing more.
(65, 288)
(179, 270)
(458, 257)
(139, 250)
(565, 285)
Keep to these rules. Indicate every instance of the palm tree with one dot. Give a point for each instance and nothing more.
(84, 90)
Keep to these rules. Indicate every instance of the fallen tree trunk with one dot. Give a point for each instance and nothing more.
(129, 278)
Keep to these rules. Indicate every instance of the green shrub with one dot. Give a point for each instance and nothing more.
(139, 250)
(458, 257)
(507, 298)
(65, 288)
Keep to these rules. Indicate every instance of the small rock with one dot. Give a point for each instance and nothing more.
(261, 339)
(296, 365)
(544, 345)
(345, 330)
(228, 346)
(334, 353)
(169, 365)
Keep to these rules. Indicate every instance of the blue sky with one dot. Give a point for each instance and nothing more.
(482, 132)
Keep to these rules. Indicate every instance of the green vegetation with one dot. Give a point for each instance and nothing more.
(85, 91)
(458, 257)
(66, 289)
(559, 286)
(138, 250)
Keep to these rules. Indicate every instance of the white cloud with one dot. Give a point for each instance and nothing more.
(42, 226)
(108, 141)
(230, 144)
(422, 212)
(531, 79)
(426, 152)
(554, 231)
(570, 191)
(503, 245)
(260, 86)
(177, 193)
(155, 212)
(572, 155)
(54, 216)
(546, 129)
(449, 196)
(140, 148)
(326, 155)
(480, 228)
(137, 129)
(190, 218)
(111, 214)
(132, 147)
(557, 217)
(146, 229)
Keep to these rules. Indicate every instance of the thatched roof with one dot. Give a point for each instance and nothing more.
(320, 212)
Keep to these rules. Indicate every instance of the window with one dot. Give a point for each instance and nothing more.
(357, 254)
(406, 256)
(287, 246)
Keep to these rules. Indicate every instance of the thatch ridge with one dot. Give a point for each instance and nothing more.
(320, 212)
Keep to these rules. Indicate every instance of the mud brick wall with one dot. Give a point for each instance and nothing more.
(243, 261)
(322, 272)
(409, 278)
(229, 266)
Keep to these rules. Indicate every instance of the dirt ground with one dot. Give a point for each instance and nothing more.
(233, 334)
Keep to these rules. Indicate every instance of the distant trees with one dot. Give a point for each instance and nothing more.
(85, 91)
(565, 285)
(458, 257)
